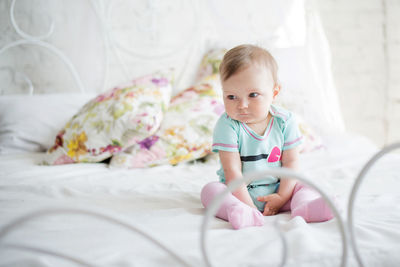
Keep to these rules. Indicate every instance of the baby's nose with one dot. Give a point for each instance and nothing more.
(243, 103)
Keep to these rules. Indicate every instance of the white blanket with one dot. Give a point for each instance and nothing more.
(164, 202)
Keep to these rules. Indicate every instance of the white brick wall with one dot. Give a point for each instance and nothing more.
(364, 36)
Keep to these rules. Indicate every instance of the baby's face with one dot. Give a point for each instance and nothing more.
(248, 94)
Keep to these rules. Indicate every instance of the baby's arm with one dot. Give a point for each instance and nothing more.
(232, 166)
(290, 159)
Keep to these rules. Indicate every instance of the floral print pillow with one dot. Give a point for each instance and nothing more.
(185, 133)
(113, 121)
(209, 69)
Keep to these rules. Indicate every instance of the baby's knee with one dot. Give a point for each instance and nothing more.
(210, 190)
(213, 187)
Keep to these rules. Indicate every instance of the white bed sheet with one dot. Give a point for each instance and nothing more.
(164, 201)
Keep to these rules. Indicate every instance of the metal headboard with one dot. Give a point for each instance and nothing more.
(113, 48)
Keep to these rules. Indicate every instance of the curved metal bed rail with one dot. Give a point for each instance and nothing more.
(353, 195)
(18, 222)
(38, 40)
(55, 51)
(48, 252)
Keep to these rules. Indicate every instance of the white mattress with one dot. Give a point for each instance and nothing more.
(164, 201)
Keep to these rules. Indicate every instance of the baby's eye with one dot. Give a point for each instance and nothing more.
(231, 97)
(253, 94)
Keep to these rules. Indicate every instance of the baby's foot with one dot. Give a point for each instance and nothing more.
(241, 216)
(316, 210)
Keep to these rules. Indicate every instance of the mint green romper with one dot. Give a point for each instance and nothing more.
(258, 152)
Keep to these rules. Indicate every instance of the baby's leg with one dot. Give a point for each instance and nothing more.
(309, 204)
(232, 209)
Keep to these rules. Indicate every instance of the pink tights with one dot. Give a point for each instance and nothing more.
(305, 202)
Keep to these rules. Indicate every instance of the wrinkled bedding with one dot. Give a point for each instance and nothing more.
(164, 202)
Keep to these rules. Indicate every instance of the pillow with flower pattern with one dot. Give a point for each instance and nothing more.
(209, 69)
(186, 131)
(113, 120)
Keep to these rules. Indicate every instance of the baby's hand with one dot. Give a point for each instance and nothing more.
(273, 203)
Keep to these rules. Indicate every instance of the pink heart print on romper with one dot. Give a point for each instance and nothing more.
(274, 155)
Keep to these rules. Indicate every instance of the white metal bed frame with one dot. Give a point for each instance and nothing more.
(349, 240)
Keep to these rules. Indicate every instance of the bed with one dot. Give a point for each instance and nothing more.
(101, 213)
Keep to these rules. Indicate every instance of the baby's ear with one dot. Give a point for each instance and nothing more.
(277, 89)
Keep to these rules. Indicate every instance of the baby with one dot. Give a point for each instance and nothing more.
(254, 135)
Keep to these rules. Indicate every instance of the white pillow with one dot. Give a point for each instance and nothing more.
(29, 123)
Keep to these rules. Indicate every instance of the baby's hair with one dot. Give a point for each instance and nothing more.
(242, 56)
